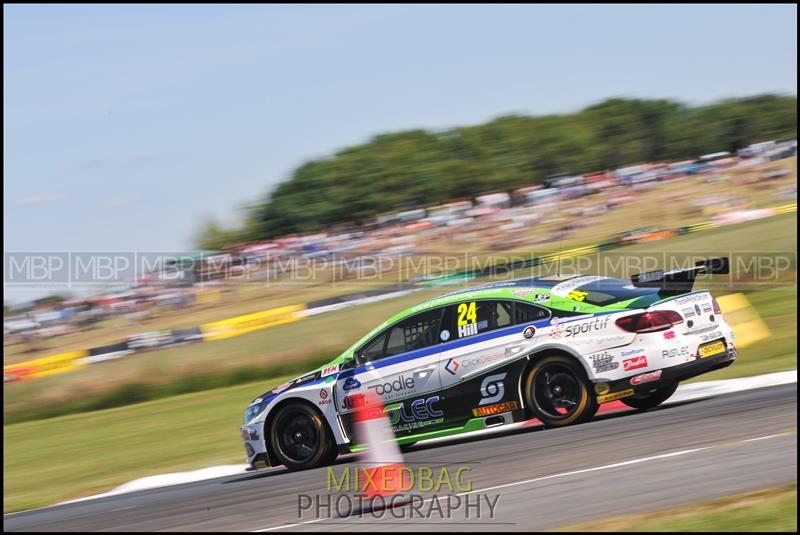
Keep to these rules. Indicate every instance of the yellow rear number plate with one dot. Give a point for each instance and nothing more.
(712, 349)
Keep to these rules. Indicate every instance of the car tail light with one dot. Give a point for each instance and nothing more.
(714, 303)
(649, 322)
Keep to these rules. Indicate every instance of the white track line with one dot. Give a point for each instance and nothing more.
(687, 392)
(562, 474)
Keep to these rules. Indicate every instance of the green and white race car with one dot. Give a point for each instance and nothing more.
(546, 348)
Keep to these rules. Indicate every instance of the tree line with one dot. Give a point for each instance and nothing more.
(415, 168)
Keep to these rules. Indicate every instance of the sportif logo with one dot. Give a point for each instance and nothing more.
(598, 324)
(492, 389)
(635, 363)
(398, 385)
(351, 383)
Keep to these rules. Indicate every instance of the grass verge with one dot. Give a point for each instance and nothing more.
(772, 509)
(70, 456)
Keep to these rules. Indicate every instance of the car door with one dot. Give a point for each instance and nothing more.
(479, 364)
(400, 365)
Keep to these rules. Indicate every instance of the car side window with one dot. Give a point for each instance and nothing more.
(525, 313)
(416, 332)
(469, 318)
(374, 349)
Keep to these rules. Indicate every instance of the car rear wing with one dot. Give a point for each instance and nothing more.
(678, 281)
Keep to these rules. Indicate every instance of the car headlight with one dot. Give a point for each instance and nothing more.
(254, 409)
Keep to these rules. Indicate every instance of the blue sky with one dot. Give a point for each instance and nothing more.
(125, 126)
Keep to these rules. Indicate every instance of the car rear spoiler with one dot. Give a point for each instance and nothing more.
(678, 281)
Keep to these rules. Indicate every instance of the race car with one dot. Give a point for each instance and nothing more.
(552, 348)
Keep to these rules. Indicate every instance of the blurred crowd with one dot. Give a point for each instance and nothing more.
(490, 222)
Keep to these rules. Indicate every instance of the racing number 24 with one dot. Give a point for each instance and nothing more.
(467, 314)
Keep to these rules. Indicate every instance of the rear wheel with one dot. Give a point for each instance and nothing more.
(299, 437)
(558, 392)
(653, 398)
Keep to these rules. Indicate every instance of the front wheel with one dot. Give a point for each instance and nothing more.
(300, 439)
(654, 398)
(558, 392)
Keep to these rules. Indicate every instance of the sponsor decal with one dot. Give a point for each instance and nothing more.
(577, 295)
(351, 383)
(420, 414)
(305, 379)
(444, 335)
(675, 352)
(601, 388)
(529, 331)
(541, 297)
(281, 388)
(323, 397)
(646, 378)
(557, 331)
(400, 384)
(492, 388)
(471, 362)
(688, 312)
(669, 335)
(420, 409)
(706, 307)
(495, 409)
(597, 324)
(638, 351)
(635, 363)
(603, 362)
(564, 288)
(520, 293)
(711, 336)
(714, 348)
(452, 366)
(616, 395)
(691, 298)
(330, 370)
(352, 401)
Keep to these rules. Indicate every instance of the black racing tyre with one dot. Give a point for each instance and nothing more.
(299, 438)
(653, 398)
(558, 392)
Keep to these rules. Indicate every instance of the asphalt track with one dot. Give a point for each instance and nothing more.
(617, 464)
